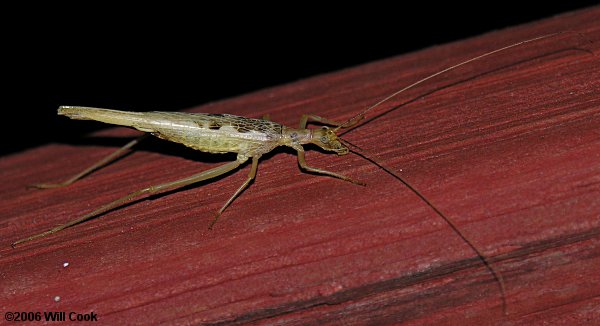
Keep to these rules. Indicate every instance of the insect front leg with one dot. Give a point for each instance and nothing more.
(205, 175)
(303, 165)
(113, 156)
(305, 117)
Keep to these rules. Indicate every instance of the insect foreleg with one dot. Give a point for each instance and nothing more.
(205, 175)
(305, 117)
(113, 156)
(303, 165)
(244, 185)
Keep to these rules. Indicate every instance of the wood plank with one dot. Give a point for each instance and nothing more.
(509, 148)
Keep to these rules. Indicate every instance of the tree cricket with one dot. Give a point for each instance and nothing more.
(250, 139)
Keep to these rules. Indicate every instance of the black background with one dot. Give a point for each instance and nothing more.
(154, 58)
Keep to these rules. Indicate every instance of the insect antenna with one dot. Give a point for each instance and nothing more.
(354, 122)
(497, 276)
(357, 118)
(362, 153)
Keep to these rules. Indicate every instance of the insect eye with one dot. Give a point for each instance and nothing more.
(324, 139)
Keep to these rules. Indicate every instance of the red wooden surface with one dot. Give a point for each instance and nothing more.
(510, 151)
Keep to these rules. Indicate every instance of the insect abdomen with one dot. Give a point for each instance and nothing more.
(122, 118)
(213, 133)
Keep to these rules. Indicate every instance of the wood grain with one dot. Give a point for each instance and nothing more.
(508, 147)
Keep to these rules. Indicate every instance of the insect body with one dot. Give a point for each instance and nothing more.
(212, 133)
(215, 133)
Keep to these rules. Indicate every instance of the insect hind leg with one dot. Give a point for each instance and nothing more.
(204, 175)
(106, 160)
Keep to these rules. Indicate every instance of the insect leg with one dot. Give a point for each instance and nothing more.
(205, 175)
(305, 117)
(113, 156)
(303, 165)
(244, 185)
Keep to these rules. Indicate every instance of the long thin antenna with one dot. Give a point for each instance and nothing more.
(497, 276)
(352, 121)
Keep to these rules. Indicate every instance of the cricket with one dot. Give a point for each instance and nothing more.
(250, 139)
